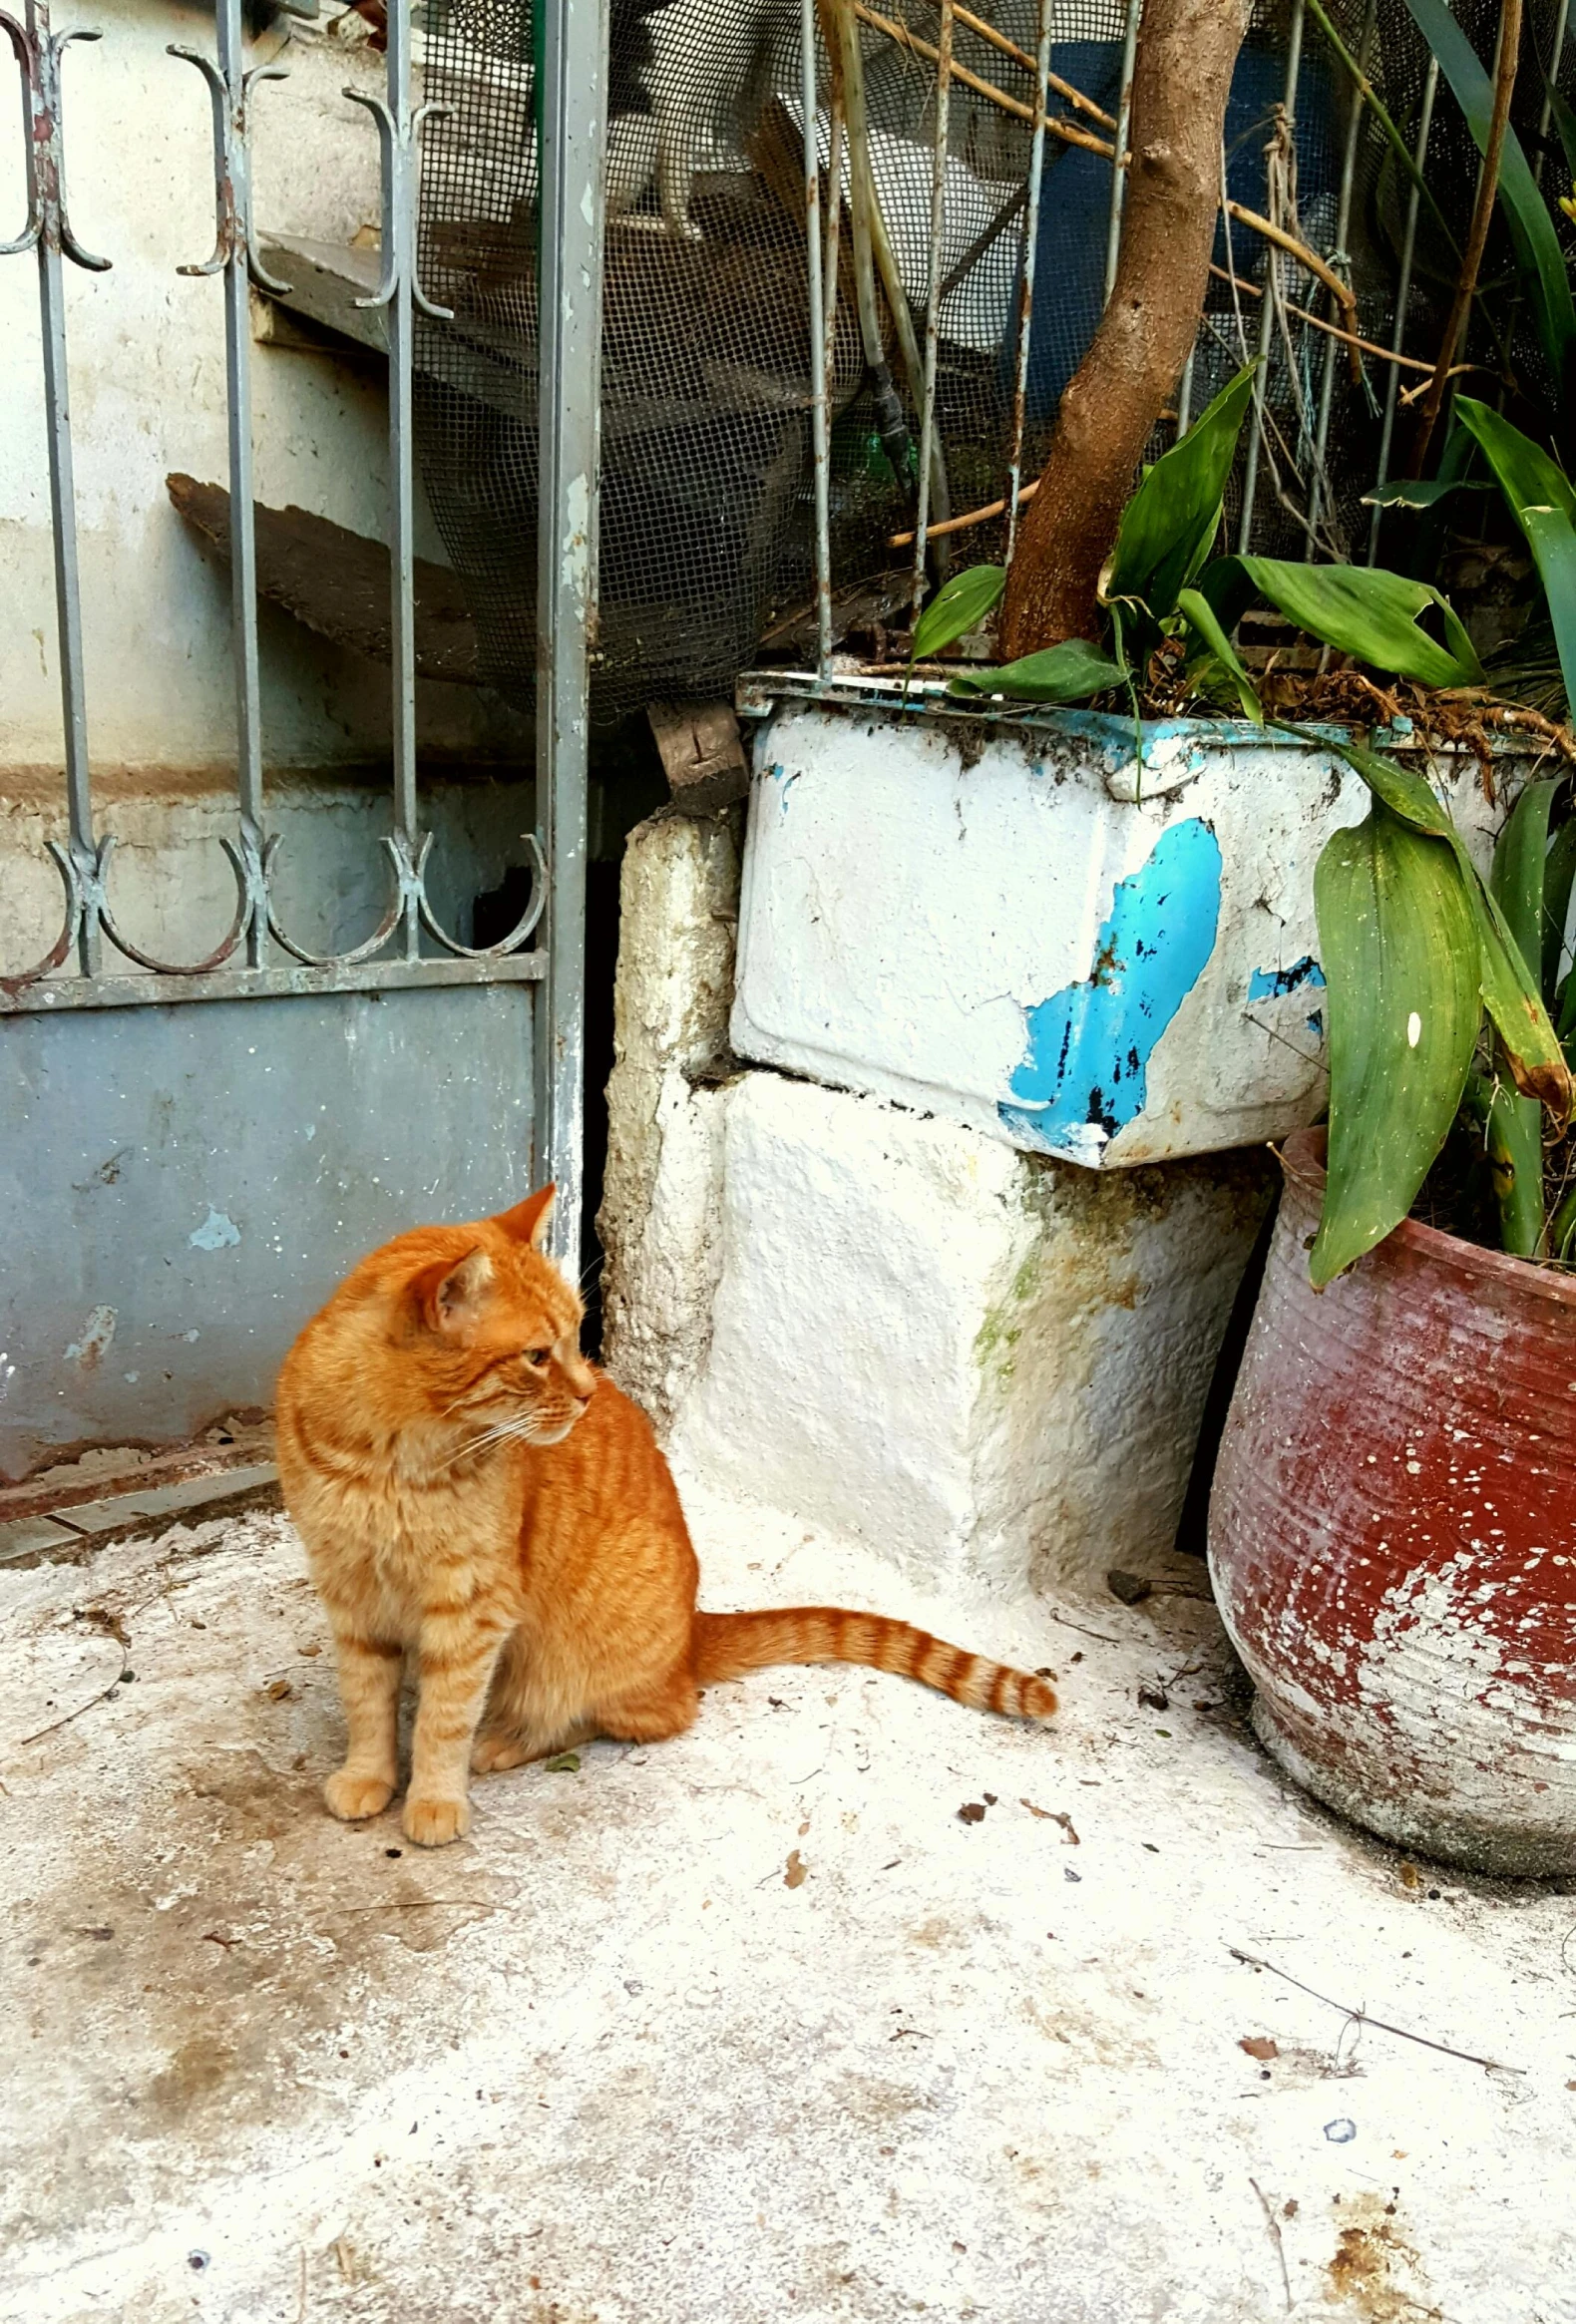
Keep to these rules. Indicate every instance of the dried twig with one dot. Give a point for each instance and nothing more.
(1360, 2017)
(112, 1627)
(1064, 129)
(1274, 2225)
(1067, 1623)
(1010, 48)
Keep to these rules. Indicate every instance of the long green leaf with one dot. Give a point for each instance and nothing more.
(1520, 859)
(1398, 948)
(1563, 115)
(1170, 522)
(1421, 491)
(1070, 672)
(1508, 987)
(1513, 1141)
(1528, 213)
(1371, 614)
(1201, 613)
(1559, 874)
(1527, 476)
(1514, 1137)
(1543, 504)
(961, 605)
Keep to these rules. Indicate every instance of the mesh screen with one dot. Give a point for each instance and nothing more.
(705, 545)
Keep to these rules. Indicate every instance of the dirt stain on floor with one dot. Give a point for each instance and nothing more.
(1375, 2272)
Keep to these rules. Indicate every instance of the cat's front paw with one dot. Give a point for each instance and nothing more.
(353, 1798)
(432, 1824)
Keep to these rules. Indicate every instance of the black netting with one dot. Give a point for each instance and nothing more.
(705, 545)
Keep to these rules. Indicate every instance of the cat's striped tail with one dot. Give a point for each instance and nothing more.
(728, 1644)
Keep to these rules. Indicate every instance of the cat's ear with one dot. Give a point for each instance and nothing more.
(528, 1221)
(450, 1298)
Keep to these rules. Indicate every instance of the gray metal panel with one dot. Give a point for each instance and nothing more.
(183, 1187)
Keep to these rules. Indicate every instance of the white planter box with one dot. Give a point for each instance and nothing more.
(994, 919)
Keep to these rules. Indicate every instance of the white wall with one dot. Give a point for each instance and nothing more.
(147, 392)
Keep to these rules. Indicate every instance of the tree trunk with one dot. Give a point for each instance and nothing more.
(1186, 52)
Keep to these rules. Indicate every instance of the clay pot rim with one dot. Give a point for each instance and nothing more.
(1302, 1157)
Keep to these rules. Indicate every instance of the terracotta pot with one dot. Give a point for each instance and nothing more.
(1393, 1537)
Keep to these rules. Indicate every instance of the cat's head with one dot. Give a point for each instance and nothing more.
(473, 1330)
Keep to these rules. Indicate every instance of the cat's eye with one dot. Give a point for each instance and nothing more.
(537, 1356)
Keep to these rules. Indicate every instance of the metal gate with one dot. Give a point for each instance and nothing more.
(191, 1152)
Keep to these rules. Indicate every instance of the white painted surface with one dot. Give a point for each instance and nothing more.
(600, 2061)
(146, 355)
(986, 1366)
(914, 892)
(661, 1216)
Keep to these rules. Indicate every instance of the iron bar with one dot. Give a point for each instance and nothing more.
(48, 232)
(820, 399)
(573, 82)
(399, 294)
(276, 984)
(1125, 114)
(1026, 296)
(1341, 260)
(1408, 246)
(1250, 472)
(933, 293)
(229, 87)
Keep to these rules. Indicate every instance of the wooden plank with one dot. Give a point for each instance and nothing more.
(336, 582)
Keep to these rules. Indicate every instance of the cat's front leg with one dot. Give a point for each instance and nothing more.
(459, 1647)
(369, 1680)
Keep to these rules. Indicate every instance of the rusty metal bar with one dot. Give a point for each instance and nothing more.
(1341, 261)
(229, 89)
(278, 984)
(1249, 472)
(820, 385)
(1125, 114)
(48, 235)
(1025, 303)
(573, 206)
(933, 293)
(1431, 88)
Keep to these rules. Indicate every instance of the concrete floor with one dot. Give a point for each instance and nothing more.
(751, 2025)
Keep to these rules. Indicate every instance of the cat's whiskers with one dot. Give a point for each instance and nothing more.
(520, 1428)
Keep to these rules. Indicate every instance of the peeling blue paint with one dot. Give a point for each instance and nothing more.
(214, 1232)
(1084, 1073)
(1271, 983)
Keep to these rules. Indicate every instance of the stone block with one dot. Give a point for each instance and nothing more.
(990, 1365)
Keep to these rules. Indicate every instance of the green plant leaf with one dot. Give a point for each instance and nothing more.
(1421, 491)
(1371, 614)
(1532, 230)
(1513, 1143)
(1543, 504)
(1070, 672)
(1520, 859)
(1514, 1131)
(1168, 527)
(566, 1763)
(1200, 614)
(1559, 874)
(1563, 115)
(1527, 476)
(960, 606)
(1397, 944)
(1506, 985)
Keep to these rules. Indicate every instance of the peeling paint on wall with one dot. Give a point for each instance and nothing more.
(214, 1232)
(1083, 1074)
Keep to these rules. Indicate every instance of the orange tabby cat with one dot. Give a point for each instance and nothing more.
(469, 1487)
